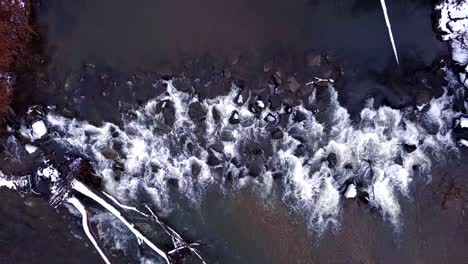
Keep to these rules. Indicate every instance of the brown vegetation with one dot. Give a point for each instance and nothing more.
(15, 34)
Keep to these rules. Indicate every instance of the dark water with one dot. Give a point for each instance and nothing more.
(127, 36)
(123, 37)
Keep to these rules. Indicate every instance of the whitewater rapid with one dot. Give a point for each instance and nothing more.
(309, 157)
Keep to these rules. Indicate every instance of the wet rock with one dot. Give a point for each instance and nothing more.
(227, 136)
(38, 129)
(409, 148)
(169, 115)
(299, 116)
(313, 60)
(300, 151)
(290, 102)
(30, 148)
(293, 85)
(332, 160)
(118, 166)
(277, 176)
(267, 66)
(227, 73)
(216, 114)
(183, 85)
(197, 112)
(255, 170)
(212, 160)
(270, 118)
(173, 182)
(234, 59)
(262, 89)
(399, 160)
(350, 192)
(277, 78)
(363, 196)
(348, 166)
(277, 134)
(254, 148)
(234, 118)
(275, 101)
(259, 103)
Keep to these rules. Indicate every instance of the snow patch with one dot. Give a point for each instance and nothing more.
(351, 191)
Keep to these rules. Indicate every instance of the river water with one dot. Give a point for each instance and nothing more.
(105, 58)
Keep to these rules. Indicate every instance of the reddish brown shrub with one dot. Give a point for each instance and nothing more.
(15, 34)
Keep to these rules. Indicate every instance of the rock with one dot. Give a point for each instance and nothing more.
(195, 168)
(38, 130)
(314, 60)
(409, 148)
(277, 176)
(399, 160)
(227, 73)
(277, 134)
(462, 121)
(197, 112)
(277, 78)
(173, 182)
(216, 114)
(234, 118)
(30, 148)
(235, 59)
(299, 116)
(239, 100)
(270, 118)
(332, 160)
(275, 102)
(255, 170)
(260, 104)
(168, 112)
(212, 160)
(463, 142)
(350, 192)
(290, 102)
(293, 85)
(348, 166)
(267, 66)
(254, 148)
(182, 84)
(300, 151)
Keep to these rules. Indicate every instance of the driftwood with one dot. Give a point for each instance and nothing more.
(98, 197)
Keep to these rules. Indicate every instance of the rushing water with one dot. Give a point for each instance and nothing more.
(253, 180)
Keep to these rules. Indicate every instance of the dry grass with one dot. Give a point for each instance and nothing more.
(15, 34)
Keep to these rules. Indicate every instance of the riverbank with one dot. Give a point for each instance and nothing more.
(15, 34)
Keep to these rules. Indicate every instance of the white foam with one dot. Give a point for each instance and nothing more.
(311, 186)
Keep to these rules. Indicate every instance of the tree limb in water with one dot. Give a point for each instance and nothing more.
(85, 222)
(83, 189)
(179, 243)
(389, 27)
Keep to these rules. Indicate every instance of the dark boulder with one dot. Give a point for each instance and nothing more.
(234, 118)
(409, 148)
(277, 134)
(332, 160)
(183, 85)
(197, 112)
